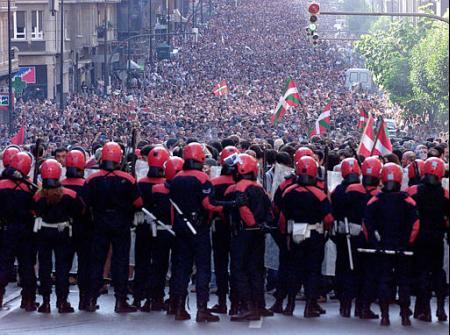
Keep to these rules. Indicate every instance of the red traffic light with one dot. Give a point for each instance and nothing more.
(314, 8)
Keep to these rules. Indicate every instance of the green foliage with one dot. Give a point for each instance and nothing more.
(410, 62)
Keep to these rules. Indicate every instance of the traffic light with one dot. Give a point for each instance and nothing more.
(311, 30)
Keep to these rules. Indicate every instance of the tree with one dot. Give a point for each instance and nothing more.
(410, 62)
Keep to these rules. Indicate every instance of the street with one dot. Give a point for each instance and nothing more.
(105, 322)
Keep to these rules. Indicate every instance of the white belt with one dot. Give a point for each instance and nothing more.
(39, 224)
(355, 229)
(301, 231)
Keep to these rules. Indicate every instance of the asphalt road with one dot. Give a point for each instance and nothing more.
(106, 322)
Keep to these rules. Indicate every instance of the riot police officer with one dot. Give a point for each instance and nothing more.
(345, 271)
(221, 234)
(16, 198)
(162, 244)
(280, 237)
(432, 204)
(250, 223)
(143, 248)
(113, 198)
(305, 215)
(358, 283)
(191, 194)
(82, 228)
(415, 172)
(56, 209)
(391, 225)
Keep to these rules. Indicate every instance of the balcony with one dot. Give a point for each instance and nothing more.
(4, 6)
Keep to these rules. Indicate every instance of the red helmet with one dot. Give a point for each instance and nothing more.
(76, 159)
(173, 166)
(112, 152)
(350, 166)
(194, 151)
(227, 152)
(301, 152)
(371, 167)
(306, 166)
(51, 173)
(8, 154)
(157, 157)
(434, 166)
(247, 165)
(416, 169)
(22, 163)
(392, 173)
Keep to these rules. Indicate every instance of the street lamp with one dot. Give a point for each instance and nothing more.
(10, 95)
(105, 52)
(61, 69)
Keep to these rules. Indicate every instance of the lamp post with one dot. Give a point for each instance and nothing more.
(61, 68)
(10, 95)
(105, 52)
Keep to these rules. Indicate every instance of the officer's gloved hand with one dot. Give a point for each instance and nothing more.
(241, 200)
(139, 218)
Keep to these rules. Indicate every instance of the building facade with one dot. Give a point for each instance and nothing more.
(4, 44)
(37, 36)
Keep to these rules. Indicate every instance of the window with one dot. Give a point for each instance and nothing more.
(20, 31)
(37, 32)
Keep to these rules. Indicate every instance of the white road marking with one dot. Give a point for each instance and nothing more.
(256, 324)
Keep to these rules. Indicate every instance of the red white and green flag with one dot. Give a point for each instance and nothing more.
(290, 98)
(323, 123)
(363, 118)
(375, 144)
(221, 89)
(383, 145)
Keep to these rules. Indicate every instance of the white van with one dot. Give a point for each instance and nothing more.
(355, 78)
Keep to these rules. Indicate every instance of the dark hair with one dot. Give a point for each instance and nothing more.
(257, 149)
(146, 150)
(245, 145)
(284, 158)
(271, 156)
(227, 142)
(216, 145)
(392, 158)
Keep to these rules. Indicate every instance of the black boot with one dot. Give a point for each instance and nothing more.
(384, 307)
(425, 314)
(91, 305)
(204, 315)
(64, 306)
(346, 308)
(290, 307)
(440, 312)
(45, 307)
(180, 312)
(122, 306)
(248, 312)
(83, 302)
(264, 312)
(318, 308)
(171, 306)
(137, 303)
(29, 303)
(358, 308)
(220, 307)
(158, 305)
(147, 307)
(310, 311)
(367, 314)
(418, 307)
(405, 313)
(234, 309)
(277, 307)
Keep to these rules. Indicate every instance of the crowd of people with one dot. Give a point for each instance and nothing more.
(195, 201)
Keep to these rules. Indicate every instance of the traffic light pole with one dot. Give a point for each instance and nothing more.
(430, 16)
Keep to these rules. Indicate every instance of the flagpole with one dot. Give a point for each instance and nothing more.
(375, 141)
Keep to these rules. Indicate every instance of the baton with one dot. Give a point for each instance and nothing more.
(190, 226)
(386, 252)
(151, 216)
(349, 244)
